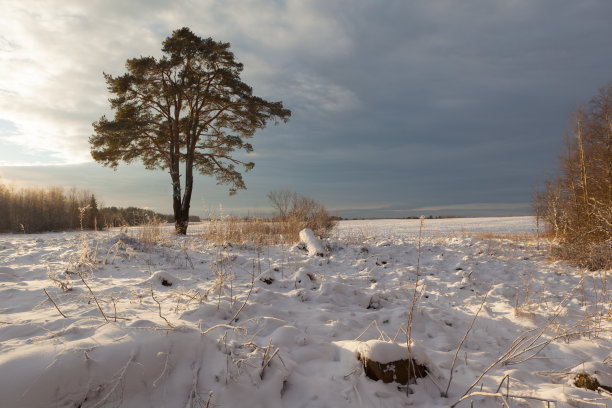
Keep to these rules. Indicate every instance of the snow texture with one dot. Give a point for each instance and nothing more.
(281, 328)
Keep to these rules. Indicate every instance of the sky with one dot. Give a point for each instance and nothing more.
(399, 108)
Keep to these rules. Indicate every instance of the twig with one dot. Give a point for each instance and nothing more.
(217, 326)
(543, 344)
(581, 403)
(188, 257)
(381, 334)
(92, 294)
(397, 333)
(54, 304)
(513, 353)
(264, 361)
(532, 398)
(465, 337)
(271, 357)
(121, 375)
(160, 309)
(245, 300)
(208, 400)
(163, 371)
(507, 380)
(366, 329)
(414, 299)
(193, 395)
(520, 341)
(482, 394)
(114, 307)
(508, 396)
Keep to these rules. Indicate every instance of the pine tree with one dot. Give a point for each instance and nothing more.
(92, 213)
(189, 107)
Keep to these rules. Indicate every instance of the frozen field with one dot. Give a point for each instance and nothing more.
(185, 323)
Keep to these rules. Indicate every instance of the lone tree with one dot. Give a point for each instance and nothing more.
(188, 107)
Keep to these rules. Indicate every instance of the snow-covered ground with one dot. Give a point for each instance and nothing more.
(181, 324)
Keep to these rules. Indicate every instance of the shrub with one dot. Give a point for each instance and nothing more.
(302, 212)
(294, 212)
(577, 203)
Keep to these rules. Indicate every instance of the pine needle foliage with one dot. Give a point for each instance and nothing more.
(188, 108)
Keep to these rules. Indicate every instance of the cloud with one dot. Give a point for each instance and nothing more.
(408, 102)
(53, 55)
(52, 85)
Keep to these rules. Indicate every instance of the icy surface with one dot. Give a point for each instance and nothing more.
(181, 319)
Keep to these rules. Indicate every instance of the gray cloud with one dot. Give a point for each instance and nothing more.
(397, 106)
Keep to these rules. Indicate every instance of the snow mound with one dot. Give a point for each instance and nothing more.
(268, 276)
(313, 244)
(305, 279)
(388, 361)
(288, 336)
(163, 278)
(384, 351)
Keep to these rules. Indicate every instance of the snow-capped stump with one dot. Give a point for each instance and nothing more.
(592, 376)
(163, 278)
(268, 276)
(305, 279)
(313, 244)
(388, 362)
(376, 301)
(589, 382)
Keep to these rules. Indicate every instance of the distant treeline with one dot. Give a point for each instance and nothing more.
(117, 217)
(429, 217)
(33, 209)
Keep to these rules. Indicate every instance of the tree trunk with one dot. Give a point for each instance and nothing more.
(186, 202)
(181, 207)
(180, 223)
(181, 214)
(181, 218)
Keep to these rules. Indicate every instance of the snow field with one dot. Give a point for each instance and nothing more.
(277, 327)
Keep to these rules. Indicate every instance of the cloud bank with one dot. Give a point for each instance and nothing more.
(416, 103)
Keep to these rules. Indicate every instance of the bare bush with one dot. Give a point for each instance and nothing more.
(281, 201)
(301, 212)
(577, 204)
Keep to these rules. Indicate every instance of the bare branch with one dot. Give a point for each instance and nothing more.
(55, 304)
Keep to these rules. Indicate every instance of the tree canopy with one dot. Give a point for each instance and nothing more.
(188, 107)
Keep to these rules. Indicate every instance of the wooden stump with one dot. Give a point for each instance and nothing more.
(394, 371)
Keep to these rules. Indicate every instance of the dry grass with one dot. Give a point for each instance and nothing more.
(151, 232)
(590, 255)
(265, 231)
(524, 308)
